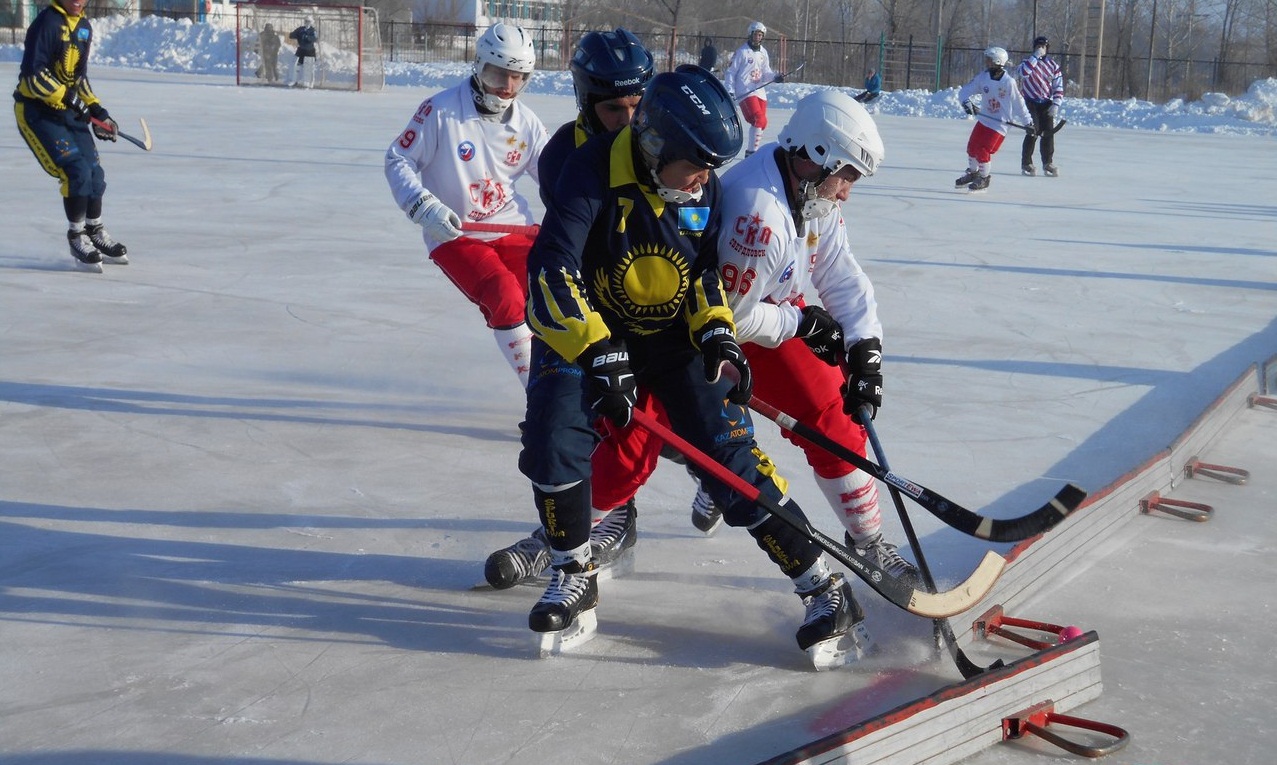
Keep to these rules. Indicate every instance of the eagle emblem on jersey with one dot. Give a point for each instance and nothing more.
(646, 287)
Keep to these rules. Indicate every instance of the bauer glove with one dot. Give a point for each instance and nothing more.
(718, 346)
(440, 222)
(612, 389)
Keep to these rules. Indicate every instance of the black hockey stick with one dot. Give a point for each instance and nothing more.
(968, 522)
(142, 143)
(968, 668)
(933, 605)
(1054, 129)
(783, 76)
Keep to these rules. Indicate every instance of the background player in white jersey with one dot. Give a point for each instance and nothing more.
(1000, 103)
(783, 239)
(458, 160)
(750, 69)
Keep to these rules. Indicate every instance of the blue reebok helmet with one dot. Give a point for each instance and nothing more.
(608, 65)
(687, 114)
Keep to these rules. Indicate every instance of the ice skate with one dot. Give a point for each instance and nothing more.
(706, 515)
(111, 250)
(520, 563)
(1050, 170)
(612, 542)
(966, 179)
(564, 616)
(885, 556)
(833, 633)
(87, 257)
(979, 184)
(1028, 169)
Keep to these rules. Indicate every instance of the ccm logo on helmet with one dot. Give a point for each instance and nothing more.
(695, 99)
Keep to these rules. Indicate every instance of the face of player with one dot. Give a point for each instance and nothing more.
(837, 187)
(502, 83)
(684, 176)
(616, 113)
(73, 7)
(756, 39)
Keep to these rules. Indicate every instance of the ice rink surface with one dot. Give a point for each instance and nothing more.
(249, 480)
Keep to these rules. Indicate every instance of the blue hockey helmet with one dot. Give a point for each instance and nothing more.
(608, 65)
(687, 114)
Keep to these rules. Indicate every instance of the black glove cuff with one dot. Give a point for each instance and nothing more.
(99, 112)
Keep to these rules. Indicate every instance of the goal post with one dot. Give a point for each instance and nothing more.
(349, 47)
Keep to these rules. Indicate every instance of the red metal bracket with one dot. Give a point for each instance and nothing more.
(1195, 467)
(1035, 719)
(995, 622)
(1256, 399)
(1180, 508)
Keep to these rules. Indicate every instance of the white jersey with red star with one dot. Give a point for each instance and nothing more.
(769, 265)
(749, 70)
(468, 162)
(1000, 101)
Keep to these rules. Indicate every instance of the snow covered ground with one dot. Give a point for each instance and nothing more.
(249, 479)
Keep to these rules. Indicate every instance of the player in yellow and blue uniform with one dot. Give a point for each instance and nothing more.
(624, 292)
(53, 104)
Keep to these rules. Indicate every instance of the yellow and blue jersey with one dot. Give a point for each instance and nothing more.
(615, 260)
(55, 59)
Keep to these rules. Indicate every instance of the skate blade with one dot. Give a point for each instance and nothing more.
(582, 629)
(123, 260)
(91, 268)
(839, 651)
(622, 566)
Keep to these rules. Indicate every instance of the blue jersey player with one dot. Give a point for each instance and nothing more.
(624, 293)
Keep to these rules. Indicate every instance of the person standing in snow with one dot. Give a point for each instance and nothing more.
(59, 116)
(747, 74)
(1000, 104)
(1043, 85)
(458, 160)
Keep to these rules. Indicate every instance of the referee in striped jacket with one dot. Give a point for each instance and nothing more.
(1042, 84)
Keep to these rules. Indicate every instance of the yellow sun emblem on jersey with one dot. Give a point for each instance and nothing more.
(646, 286)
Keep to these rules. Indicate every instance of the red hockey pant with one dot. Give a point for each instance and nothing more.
(492, 275)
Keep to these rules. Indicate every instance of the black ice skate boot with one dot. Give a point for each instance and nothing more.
(1028, 169)
(966, 178)
(519, 563)
(979, 184)
(564, 616)
(87, 257)
(885, 556)
(612, 541)
(111, 250)
(833, 632)
(1051, 170)
(707, 516)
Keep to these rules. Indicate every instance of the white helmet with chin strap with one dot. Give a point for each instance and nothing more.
(756, 26)
(505, 46)
(832, 130)
(996, 56)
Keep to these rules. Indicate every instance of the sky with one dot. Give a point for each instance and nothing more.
(249, 479)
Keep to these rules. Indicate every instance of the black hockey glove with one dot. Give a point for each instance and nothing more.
(75, 104)
(864, 378)
(1030, 131)
(970, 108)
(779, 77)
(612, 389)
(718, 346)
(822, 334)
(108, 130)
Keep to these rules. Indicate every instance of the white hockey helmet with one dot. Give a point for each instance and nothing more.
(833, 130)
(995, 56)
(504, 47)
(756, 26)
(507, 46)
